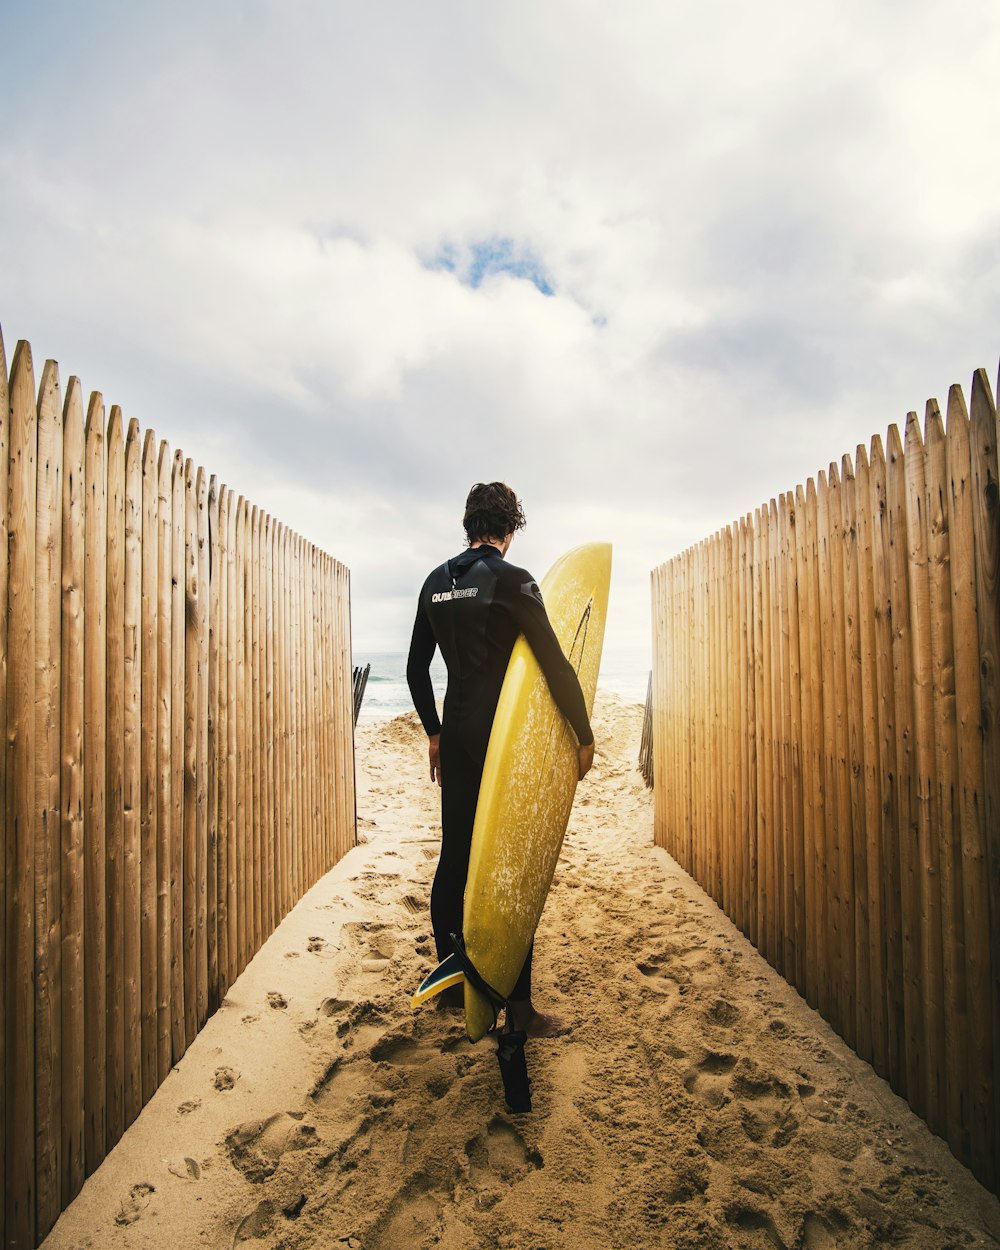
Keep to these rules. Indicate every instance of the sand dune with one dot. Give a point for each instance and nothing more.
(693, 1099)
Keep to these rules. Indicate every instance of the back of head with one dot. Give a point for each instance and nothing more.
(492, 510)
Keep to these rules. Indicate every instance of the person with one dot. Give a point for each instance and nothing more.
(474, 607)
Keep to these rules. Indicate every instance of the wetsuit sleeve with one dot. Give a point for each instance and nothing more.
(418, 672)
(526, 607)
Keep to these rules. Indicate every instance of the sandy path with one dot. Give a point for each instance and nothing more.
(693, 1101)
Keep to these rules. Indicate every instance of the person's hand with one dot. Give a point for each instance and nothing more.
(586, 757)
(434, 754)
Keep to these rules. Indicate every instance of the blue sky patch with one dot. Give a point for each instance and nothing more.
(500, 254)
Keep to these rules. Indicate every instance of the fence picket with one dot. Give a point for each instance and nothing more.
(19, 1015)
(943, 782)
(926, 815)
(47, 859)
(220, 609)
(94, 772)
(986, 524)
(871, 947)
(856, 859)
(72, 1154)
(164, 804)
(148, 760)
(204, 866)
(190, 843)
(178, 663)
(969, 786)
(132, 773)
(211, 590)
(116, 778)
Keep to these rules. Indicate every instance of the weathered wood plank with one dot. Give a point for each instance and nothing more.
(932, 971)
(270, 854)
(114, 786)
(48, 866)
(95, 777)
(909, 843)
(178, 680)
(19, 1016)
(888, 787)
(788, 948)
(164, 766)
(219, 700)
(256, 754)
(842, 841)
(986, 522)
(132, 775)
(969, 797)
(232, 884)
(73, 1016)
(807, 681)
(204, 867)
(284, 652)
(192, 655)
(346, 653)
(874, 948)
(943, 781)
(245, 910)
(148, 829)
(856, 859)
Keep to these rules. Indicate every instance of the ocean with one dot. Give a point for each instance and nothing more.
(626, 673)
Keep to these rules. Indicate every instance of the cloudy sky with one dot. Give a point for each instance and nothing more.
(651, 263)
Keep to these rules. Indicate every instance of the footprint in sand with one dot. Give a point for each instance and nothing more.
(373, 885)
(185, 1108)
(256, 1148)
(722, 1014)
(826, 1232)
(766, 1115)
(278, 1001)
(750, 1229)
(412, 1219)
(500, 1153)
(134, 1205)
(659, 981)
(316, 944)
(225, 1078)
(373, 940)
(187, 1169)
(707, 1081)
(401, 1052)
(258, 1224)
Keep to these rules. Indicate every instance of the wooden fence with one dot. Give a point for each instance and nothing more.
(176, 707)
(827, 751)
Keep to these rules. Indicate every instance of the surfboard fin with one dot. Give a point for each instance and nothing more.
(448, 972)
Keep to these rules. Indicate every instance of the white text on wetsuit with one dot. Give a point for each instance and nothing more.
(445, 595)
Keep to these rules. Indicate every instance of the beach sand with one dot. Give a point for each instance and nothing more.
(694, 1100)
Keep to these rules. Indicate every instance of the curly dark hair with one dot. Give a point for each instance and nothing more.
(492, 510)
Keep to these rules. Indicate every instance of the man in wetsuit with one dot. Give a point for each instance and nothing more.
(473, 607)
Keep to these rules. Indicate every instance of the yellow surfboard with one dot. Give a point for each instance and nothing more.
(526, 794)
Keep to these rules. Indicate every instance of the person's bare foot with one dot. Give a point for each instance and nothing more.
(535, 1023)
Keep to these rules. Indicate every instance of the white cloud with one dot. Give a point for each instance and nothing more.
(768, 231)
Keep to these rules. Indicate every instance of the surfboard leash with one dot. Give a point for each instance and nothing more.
(510, 1041)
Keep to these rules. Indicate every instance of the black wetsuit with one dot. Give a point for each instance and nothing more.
(474, 607)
